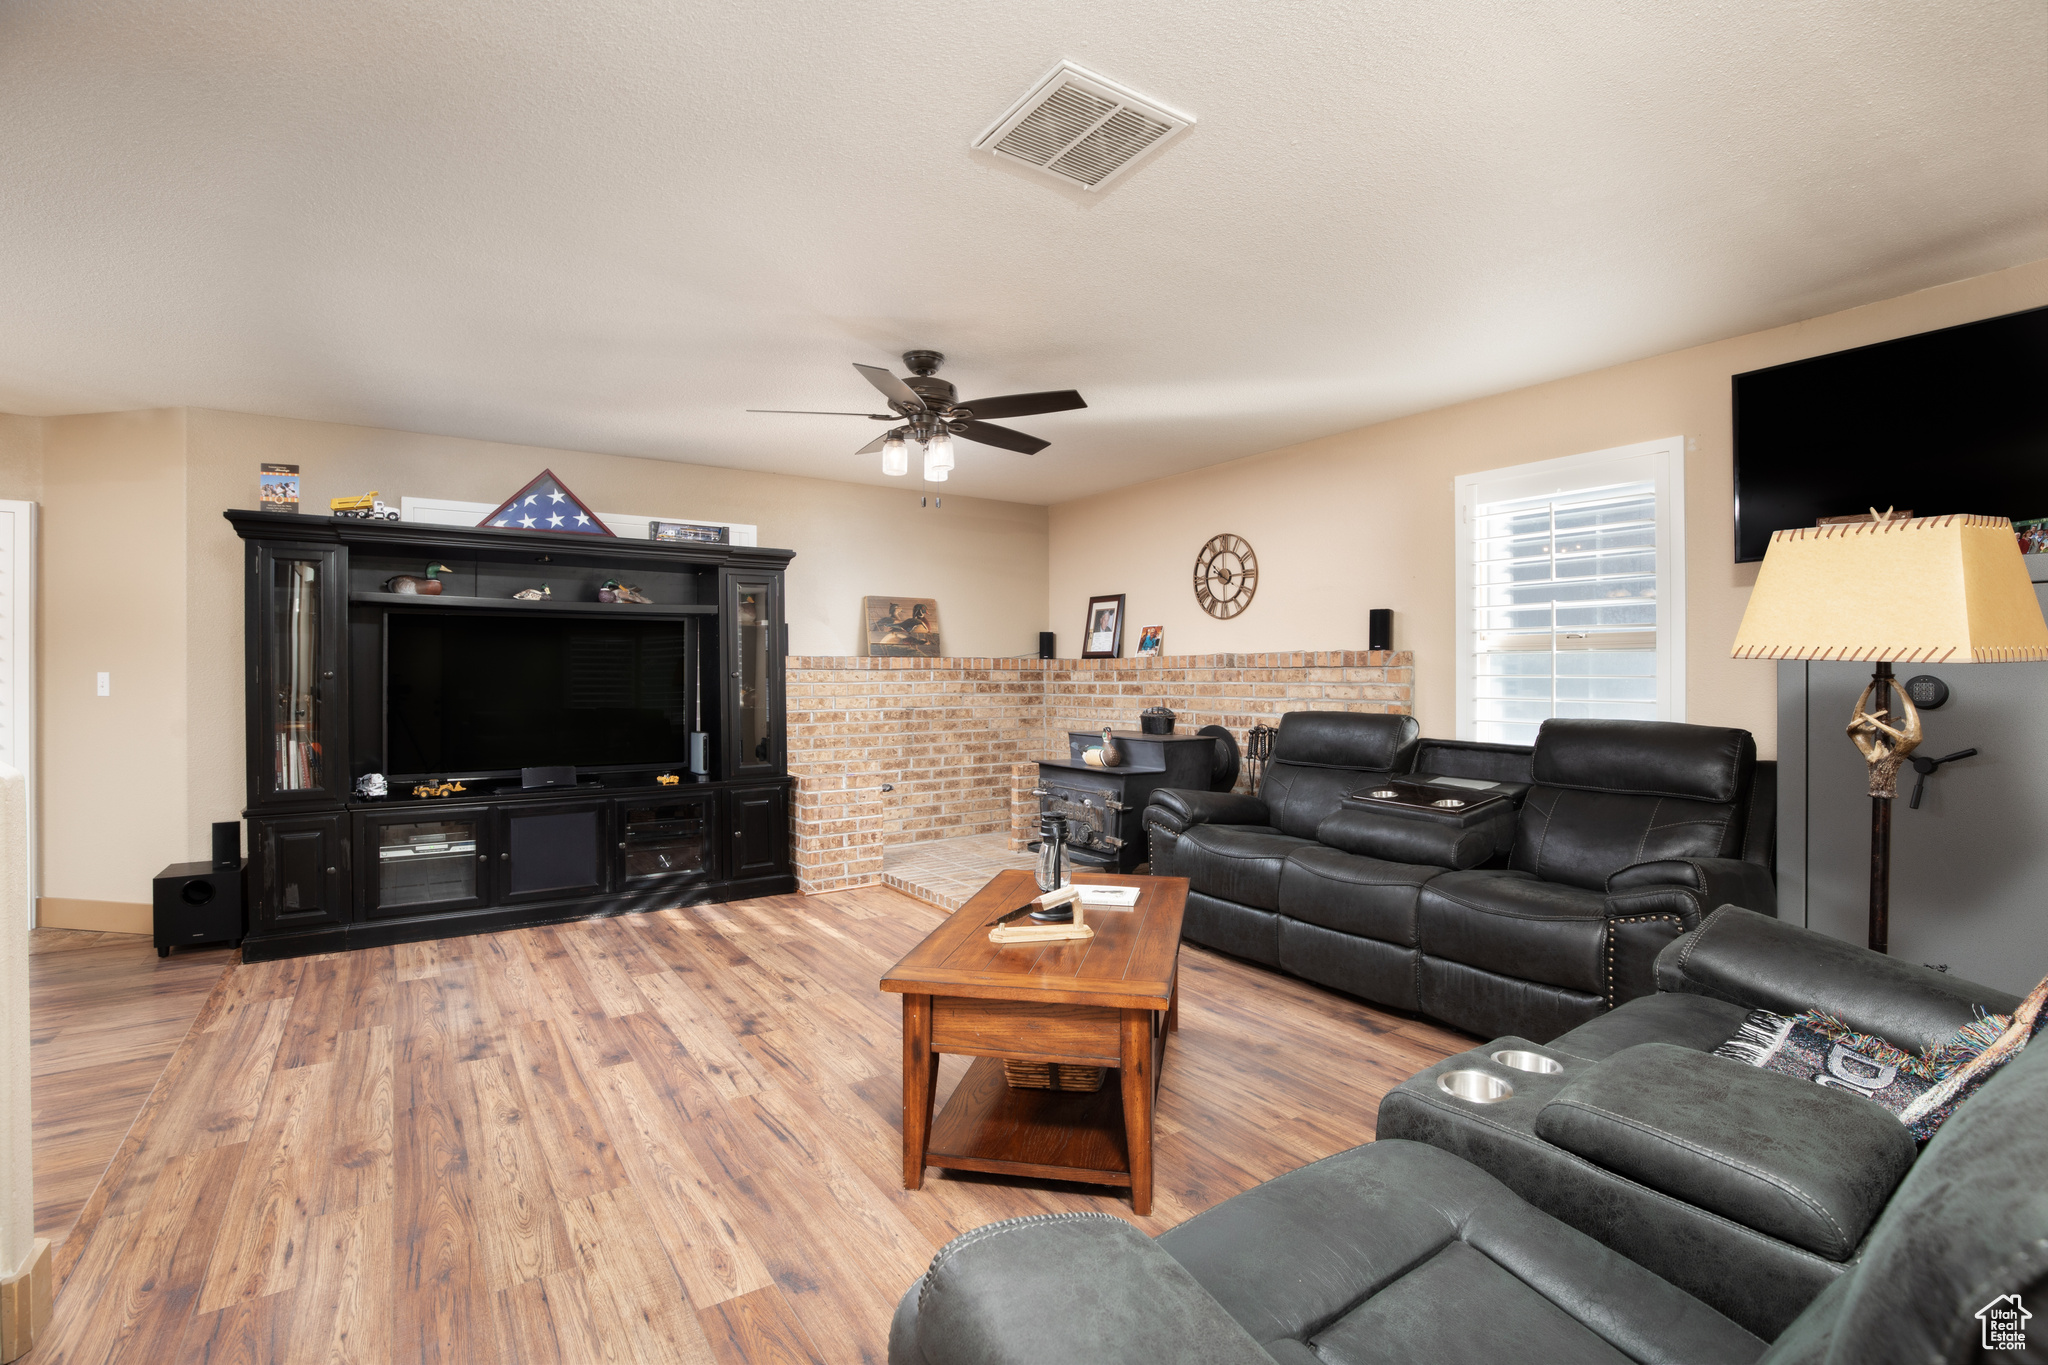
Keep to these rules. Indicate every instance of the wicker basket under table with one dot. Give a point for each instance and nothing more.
(1053, 1076)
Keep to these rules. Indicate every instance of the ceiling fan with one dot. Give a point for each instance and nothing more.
(931, 416)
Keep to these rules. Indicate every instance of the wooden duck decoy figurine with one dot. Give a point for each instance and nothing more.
(615, 591)
(538, 594)
(430, 586)
(1105, 754)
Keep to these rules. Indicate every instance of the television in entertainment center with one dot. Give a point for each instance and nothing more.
(1949, 421)
(483, 694)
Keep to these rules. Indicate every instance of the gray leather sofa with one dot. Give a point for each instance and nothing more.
(1617, 836)
(1400, 1251)
(1749, 1191)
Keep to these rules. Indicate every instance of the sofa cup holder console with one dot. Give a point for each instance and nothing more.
(1519, 1060)
(1475, 1087)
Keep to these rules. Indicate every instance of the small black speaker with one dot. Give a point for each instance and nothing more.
(1379, 628)
(197, 903)
(227, 843)
(1048, 645)
(547, 777)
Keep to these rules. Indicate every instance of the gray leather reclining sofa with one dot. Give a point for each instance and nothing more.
(1408, 1251)
(1749, 1190)
(1543, 912)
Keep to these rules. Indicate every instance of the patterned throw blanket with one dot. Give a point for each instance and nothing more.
(1923, 1089)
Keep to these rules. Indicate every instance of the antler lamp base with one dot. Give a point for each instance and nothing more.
(1885, 748)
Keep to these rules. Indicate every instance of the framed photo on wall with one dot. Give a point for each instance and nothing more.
(1103, 636)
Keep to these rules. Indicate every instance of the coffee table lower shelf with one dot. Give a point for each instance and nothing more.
(1045, 1134)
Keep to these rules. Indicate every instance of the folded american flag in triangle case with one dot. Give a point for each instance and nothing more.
(546, 504)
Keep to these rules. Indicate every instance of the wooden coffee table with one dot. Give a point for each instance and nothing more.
(1108, 1001)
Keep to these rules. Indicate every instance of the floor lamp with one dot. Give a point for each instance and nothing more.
(1920, 590)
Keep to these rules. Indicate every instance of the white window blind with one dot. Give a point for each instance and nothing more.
(1569, 590)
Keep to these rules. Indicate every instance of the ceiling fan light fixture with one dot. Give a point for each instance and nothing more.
(895, 456)
(938, 452)
(935, 472)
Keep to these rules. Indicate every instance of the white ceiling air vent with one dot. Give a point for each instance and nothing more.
(1083, 129)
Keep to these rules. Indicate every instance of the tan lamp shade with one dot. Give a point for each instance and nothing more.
(1950, 589)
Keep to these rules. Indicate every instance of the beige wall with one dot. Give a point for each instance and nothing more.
(984, 561)
(1365, 519)
(142, 578)
(21, 458)
(113, 770)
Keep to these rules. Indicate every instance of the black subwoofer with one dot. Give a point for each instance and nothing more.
(197, 903)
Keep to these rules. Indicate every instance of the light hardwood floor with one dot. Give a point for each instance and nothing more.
(105, 1014)
(659, 1137)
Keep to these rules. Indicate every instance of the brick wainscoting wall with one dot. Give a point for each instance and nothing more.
(954, 737)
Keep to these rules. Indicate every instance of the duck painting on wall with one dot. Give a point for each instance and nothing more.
(901, 627)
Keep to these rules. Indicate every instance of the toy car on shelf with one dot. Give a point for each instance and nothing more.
(368, 507)
(441, 788)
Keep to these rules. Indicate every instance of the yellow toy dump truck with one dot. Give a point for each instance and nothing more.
(369, 507)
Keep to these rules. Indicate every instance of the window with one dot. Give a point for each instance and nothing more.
(1571, 593)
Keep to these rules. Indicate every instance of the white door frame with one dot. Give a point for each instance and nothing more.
(18, 658)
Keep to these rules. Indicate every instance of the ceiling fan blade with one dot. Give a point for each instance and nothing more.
(872, 446)
(812, 412)
(989, 434)
(1026, 404)
(893, 389)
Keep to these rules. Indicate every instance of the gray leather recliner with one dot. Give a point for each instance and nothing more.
(1401, 1252)
(1747, 1189)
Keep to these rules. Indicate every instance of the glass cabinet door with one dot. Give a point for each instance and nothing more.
(665, 843)
(300, 604)
(423, 863)
(296, 752)
(754, 615)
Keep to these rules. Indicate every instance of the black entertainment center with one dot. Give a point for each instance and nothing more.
(471, 686)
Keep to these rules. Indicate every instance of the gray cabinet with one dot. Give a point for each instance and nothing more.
(1970, 866)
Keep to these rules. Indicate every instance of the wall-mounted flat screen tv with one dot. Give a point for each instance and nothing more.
(490, 694)
(1948, 421)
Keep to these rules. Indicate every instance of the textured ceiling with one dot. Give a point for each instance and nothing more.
(613, 226)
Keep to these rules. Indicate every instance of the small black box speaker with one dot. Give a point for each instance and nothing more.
(197, 903)
(1048, 645)
(547, 777)
(1379, 628)
(227, 843)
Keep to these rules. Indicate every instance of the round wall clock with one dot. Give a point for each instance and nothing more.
(1226, 576)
